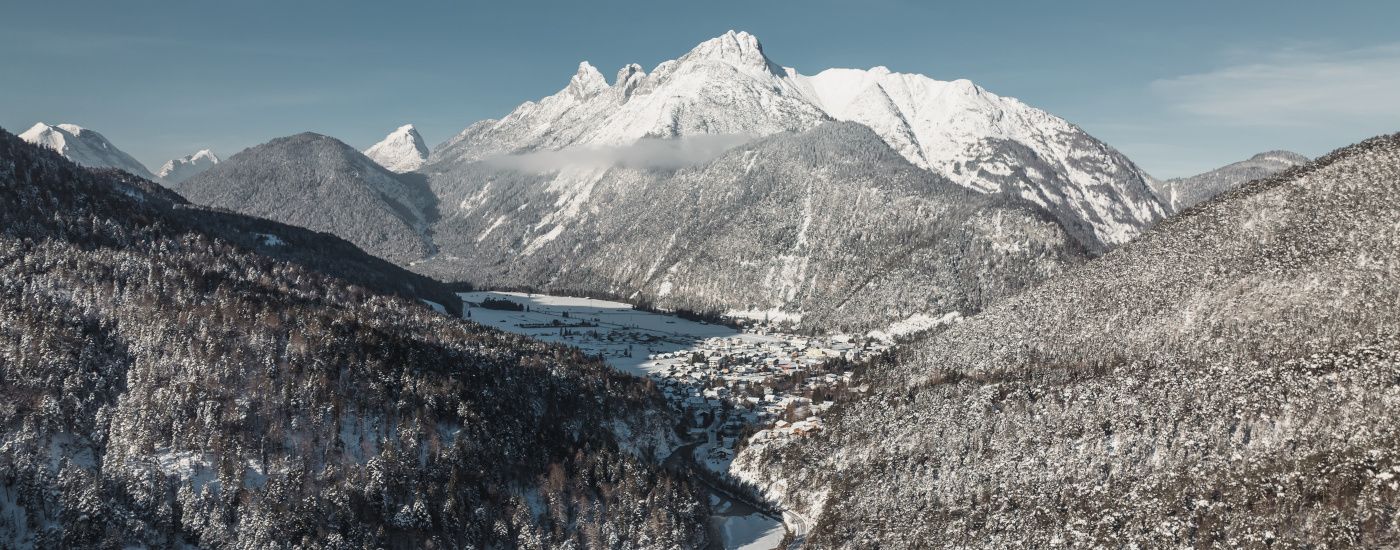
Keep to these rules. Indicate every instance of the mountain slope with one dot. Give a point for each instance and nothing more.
(1182, 193)
(402, 150)
(1227, 379)
(83, 146)
(164, 387)
(319, 183)
(828, 225)
(728, 86)
(997, 144)
(176, 171)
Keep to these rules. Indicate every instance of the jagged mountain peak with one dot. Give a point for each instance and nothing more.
(178, 170)
(587, 81)
(629, 77)
(403, 150)
(737, 48)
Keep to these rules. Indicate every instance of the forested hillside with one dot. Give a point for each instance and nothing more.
(317, 182)
(164, 385)
(1230, 379)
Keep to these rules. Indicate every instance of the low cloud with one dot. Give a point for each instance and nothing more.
(1301, 86)
(649, 153)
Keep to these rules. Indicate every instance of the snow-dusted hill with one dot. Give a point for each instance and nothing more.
(402, 150)
(320, 183)
(175, 171)
(84, 146)
(728, 86)
(1182, 193)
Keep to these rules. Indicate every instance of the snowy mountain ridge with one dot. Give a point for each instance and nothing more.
(1182, 193)
(994, 144)
(186, 167)
(401, 151)
(728, 85)
(83, 146)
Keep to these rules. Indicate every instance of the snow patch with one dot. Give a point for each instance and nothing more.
(918, 322)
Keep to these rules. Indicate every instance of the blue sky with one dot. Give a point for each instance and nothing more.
(1179, 87)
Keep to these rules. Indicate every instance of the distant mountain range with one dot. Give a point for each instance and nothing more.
(538, 198)
(727, 85)
(85, 147)
(647, 189)
(91, 149)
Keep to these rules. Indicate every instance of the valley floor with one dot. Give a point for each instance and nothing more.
(732, 386)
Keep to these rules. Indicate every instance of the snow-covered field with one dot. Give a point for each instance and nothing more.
(752, 532)
(624, 336)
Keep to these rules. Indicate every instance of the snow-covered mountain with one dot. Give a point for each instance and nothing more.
(996, 144)
(178, 170)
(84, 146)
(1182, 193)
(829, 226)
(727, 85)
(401, 151)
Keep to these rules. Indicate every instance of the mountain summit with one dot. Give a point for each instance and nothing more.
(175, 171)
(84, 147)
(402, 150)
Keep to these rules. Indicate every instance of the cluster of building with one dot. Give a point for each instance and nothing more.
(761, 383)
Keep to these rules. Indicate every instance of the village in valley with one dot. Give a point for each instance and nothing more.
(758, 384)
(733, 384)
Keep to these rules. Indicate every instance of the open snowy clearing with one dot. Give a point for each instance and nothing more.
(622, 335)
(752, 532)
